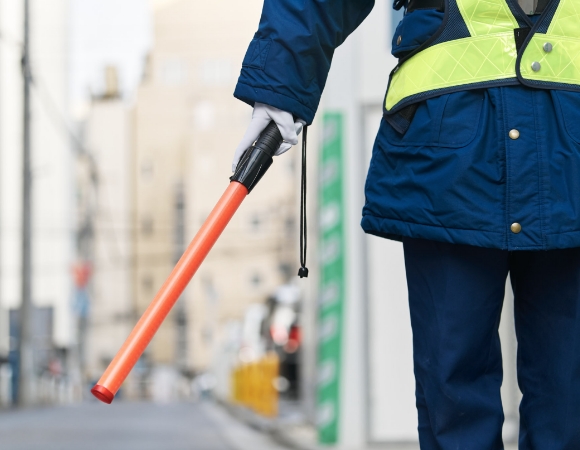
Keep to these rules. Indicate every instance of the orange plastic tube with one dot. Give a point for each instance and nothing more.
(154, 315)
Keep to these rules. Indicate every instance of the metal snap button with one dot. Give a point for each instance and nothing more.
(399, 40)
(514, 134)
(536, 66)
(548, 47)
(516, 228)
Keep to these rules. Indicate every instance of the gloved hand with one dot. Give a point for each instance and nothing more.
(261, 117)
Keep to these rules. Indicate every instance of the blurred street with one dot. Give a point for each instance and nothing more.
(129, 426)
(117, 132)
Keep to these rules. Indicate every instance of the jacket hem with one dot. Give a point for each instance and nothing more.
(396, 230)
(567, 239)
(251, 94)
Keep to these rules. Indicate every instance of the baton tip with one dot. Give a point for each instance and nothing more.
(103, 394)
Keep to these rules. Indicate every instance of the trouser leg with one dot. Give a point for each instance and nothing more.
(547, 314)
(456, 295)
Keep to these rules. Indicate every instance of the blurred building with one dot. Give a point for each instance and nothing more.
(187, 126)
(104, 233)
(53, 195)
(181, 135)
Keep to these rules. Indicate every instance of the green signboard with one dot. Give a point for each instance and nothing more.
(332, 277)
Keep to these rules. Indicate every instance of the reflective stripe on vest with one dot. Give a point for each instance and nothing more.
(490, 54)
(561, 64)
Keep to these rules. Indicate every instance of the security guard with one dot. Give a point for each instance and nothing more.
(476, 169)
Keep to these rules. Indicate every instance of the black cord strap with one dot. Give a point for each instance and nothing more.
(303, 271)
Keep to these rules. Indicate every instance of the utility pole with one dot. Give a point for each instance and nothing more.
(179, 248)
(25, 343)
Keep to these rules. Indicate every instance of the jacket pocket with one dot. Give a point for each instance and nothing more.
(449, 121)
(414, 30)
(257, 53)
(570, 110)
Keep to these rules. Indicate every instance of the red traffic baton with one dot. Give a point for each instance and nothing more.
(252, 166)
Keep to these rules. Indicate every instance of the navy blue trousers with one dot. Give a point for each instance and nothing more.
(456, 294)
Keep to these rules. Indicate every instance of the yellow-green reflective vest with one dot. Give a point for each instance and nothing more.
(548, 58)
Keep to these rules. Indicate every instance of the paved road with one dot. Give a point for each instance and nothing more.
(128, 426)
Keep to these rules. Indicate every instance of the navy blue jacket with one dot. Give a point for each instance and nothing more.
(455, 175)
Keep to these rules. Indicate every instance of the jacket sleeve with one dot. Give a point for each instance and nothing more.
(288, 60)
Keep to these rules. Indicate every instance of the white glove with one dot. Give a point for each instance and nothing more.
(261, 117)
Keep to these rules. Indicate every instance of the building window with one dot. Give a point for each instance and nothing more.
(255, 223)
(173, 72)
(290, 225)
(204, 115)
(147, 170)
(147, 226)
(147, 282)
(256, 280)
(216, 72)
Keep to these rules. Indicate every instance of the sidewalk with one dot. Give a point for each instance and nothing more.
(238, 434)
(292, 431)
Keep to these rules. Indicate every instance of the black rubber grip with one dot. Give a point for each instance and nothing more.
(257, 159)
(270, 139)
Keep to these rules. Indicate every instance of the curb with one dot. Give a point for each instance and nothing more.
(286, 433)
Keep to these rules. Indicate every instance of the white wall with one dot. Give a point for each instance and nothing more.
(10, 150)
(53, 170)
(53, 195)
(392, 412)
(377, 395)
